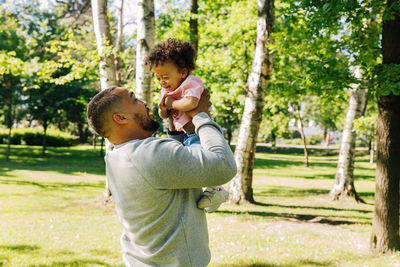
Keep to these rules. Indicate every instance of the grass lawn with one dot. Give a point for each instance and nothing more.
(52, 213)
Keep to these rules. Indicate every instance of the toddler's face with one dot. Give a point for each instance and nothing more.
(169, 75)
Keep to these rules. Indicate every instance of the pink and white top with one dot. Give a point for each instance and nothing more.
(191, 86)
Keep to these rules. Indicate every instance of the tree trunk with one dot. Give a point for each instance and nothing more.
(108, 77)
(229, 135)
(8, 145)
(9, 120)
(94, 141)
(241, 186)
(385, 224)
(371, 152)
(273, 139)
(102, 147)
(44, 141)
(303, 136)
(104, 44)
(145, 41)
(344, 180)
(118, 45)
(193, 23)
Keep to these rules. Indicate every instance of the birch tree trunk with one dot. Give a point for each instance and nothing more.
(118, 44)
(103, 39)
(344, 180)
(240, 187)
(145, 41)
(385, 224)
(108, 76)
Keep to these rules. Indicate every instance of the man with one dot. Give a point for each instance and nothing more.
(155, 183)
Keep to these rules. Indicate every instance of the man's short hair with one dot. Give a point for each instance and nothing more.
(98, 107)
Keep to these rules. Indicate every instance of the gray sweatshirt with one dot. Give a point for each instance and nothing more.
(155, 184)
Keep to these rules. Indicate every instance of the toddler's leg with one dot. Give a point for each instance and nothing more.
(212, 198)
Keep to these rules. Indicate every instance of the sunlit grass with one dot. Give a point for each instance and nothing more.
(52, 213)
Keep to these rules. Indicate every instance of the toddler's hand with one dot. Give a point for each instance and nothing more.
(163, 108)
(168, 101)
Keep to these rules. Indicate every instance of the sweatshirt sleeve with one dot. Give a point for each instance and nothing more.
(167, 164)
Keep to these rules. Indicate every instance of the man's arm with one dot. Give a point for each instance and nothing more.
(166, 164)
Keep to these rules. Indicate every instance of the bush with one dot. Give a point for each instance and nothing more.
(34, 137)
(15, 138)
(314, 139)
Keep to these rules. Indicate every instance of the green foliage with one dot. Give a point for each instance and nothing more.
(34, 137)
(386, 79)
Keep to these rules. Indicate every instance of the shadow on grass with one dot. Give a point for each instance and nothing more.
(292, 217)
(74, 262)
(58, 186)
(281, 163)
(290, 191)
(20, 248)
(310, 207)
(356, 177)
(300, 262)
(299, 151)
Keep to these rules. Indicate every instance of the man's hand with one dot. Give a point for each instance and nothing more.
(204, 105)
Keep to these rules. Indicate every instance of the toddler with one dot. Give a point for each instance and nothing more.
(172, 61)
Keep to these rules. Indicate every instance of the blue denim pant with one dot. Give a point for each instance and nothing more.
(191, 139)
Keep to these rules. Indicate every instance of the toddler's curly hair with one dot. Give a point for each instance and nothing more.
(181, 53)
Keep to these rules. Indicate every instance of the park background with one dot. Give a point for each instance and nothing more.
(275, 70)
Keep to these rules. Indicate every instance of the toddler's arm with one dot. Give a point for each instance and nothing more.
(184, 104)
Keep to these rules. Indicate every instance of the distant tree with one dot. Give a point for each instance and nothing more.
(12, 71)
(297, 114)
(365, 127)
(326, 112)
(276, 119)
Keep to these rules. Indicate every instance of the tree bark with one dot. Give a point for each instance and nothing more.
(44, 139)
(385, 224)
(8, 145)
(108, 77)
(104, 44)
(145, 41)
(118, 45)
(303, 136)
(10, 120)
(344, 179)
(240, 187)
(193, 23)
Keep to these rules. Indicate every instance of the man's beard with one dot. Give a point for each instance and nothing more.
(146, 123)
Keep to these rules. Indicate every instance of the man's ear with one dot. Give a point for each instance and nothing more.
(119, 118)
